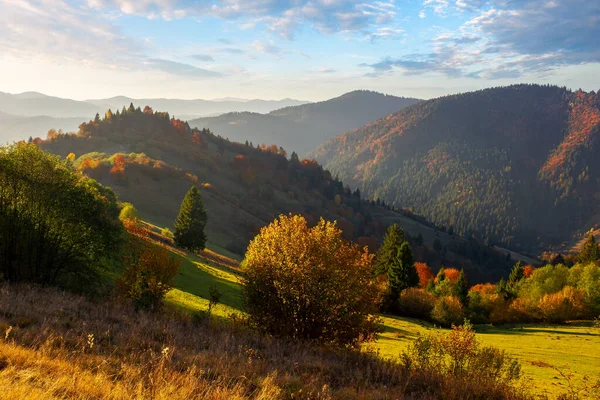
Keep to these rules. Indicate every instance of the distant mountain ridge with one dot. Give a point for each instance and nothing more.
(198, 107)
(517, 164)
(33, 114)
(301, 128)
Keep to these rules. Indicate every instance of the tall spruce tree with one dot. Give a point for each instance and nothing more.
(190, 223)
(461, 291)
(402, 274)
(394, 237)
(589, 250)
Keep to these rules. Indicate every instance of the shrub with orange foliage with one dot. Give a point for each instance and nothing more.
(528, 270)
(425, 274)
(452, 274)
(118, 169)
(485, 288)
(568, 304)
(88, 163)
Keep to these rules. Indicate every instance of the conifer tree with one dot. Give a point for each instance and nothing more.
(402, 274)
(97, 118)
(589, 250)
(294, 158)
(394, 237)
(461, 289)
(517, 273)
(190, 223)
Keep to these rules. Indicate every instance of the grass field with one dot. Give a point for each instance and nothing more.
(545, 351)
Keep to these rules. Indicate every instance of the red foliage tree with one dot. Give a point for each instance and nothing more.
(425, 274)
(452, 274)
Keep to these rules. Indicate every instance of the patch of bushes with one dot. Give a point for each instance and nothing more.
(447, 311)
(417, 303)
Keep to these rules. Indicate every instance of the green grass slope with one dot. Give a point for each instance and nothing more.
(545, 351)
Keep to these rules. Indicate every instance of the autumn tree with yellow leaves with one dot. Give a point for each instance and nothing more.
(309, 283)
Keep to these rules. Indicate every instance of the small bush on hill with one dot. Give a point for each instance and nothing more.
(149, 269)
(166, 232)
(466, 364)
(416, 303)
(309, 283)
(128, 211)
(448, 310)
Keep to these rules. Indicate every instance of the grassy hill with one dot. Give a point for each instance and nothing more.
(515, 165)
(545, 351)
(302, 128)
(555, 358)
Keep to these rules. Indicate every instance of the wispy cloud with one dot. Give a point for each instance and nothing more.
(507, 39)
(181, 69)
(203, 57)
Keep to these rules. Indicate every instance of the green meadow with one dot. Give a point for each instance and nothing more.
(555, 359)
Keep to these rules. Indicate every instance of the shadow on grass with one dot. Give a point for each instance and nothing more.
(532, 328)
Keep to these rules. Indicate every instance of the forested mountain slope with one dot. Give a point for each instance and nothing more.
(516, 165)
(151, 160)
(302, 128)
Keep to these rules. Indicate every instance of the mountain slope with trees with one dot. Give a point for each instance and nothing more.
(150, 160)
(512, 165)
(302, 128)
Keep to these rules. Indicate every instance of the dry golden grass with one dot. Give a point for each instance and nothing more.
(55, 345)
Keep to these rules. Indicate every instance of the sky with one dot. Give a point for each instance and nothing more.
(307, 50)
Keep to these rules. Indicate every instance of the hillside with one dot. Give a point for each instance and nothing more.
(302, 128)
(152, 160)
(515, 165)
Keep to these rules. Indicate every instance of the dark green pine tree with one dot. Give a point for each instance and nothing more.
(97, 118)
(461, 291)
(190, 223)
(589, 250)
(394, 237)
(402, 274)
(294, 158)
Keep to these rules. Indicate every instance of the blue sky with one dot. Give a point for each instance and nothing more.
(310, 50)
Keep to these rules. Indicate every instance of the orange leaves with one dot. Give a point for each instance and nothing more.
(485, 288)
(528, 270)
(452, 274)
(88, 163)
(425, 274)
(118, 170)
(197, 139)
(565, 305)
(148, 110)
(583, 119)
